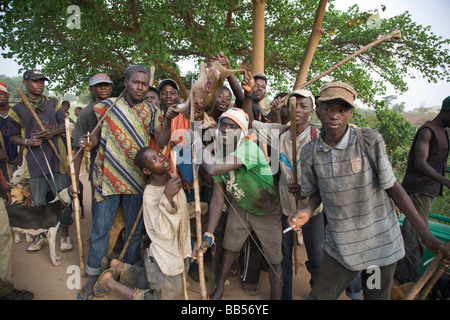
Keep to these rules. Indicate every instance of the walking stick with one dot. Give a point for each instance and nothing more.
(393, 34)
(292, 107)
(8, 169)
(198, 212)
(27, 103)
(130, 236)
(180, 227)
(101, 120)
(76, 201)
(427, 275)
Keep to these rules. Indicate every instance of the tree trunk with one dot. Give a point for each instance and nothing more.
(258, 10)
(316, 35)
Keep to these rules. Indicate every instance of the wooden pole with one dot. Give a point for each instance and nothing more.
(180, 230)
(426, 276)
(27, 103)
(292, 109)
(258, 9)
(314, 38)
(130, 236)
(198, 211)
(76, 201)
(393, 34)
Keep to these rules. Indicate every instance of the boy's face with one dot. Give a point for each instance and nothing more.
(303, 110)
(230, 131)
(34, 87)
(155, 162)
(334, 115)
(101, 91)
(168, 95)
(137, 86)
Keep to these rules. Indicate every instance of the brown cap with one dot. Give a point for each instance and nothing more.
(337, 90)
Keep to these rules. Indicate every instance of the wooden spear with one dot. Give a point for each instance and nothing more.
(38, 121)
(76, 201)
(292, 109)
(198, 211)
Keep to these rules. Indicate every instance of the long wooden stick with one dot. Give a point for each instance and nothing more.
(101, 120)
(198, 211)
(393, 34)
(292, 109)
(76, 201)
(38, 121)
(8, 169)
(180, 230)
(426, 276)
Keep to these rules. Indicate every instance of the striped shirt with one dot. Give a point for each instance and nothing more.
(125, 130)
(362, 228)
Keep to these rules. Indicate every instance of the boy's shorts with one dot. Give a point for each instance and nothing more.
(267, 227)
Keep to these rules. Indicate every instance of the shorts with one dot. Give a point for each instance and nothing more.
(267, 228)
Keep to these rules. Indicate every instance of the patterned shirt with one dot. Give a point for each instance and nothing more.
(362, 228)
(124, 131)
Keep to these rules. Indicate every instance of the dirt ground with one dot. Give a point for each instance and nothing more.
(34, 271)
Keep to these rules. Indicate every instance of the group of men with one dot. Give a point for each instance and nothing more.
(343, 199)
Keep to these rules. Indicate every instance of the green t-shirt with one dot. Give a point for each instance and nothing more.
(252, 185)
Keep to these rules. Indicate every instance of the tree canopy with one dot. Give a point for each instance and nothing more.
(114, 34)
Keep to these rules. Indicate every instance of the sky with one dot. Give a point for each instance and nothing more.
(434, 13)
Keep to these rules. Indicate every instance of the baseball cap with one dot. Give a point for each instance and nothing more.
(338, 90)
(302, 93)
(3, 87)
(153, 88)
(34, 75)
(167, 81)
(99, 78)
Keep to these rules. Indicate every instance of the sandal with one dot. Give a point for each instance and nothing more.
(99, 290)
(88, 293)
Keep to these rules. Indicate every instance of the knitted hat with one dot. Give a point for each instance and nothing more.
(3, 87)
(238, 116)
(338, 90)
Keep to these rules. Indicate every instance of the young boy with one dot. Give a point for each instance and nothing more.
(279, 136)
(354, 180)
(164, 212)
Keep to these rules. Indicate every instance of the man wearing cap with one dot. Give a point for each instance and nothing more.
(13, 157)
(100, 86)
(169, 94)
(424, 181)
(41, 163)
(347, 169)
(152, 96)
(240, 170)
(278, 136)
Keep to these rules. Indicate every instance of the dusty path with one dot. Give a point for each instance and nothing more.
(34, 271)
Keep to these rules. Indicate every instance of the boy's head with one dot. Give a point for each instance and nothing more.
(100, 86)
(152, 161)
(233, 125)
(305, 105)
(335, 106)
(34, 82)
